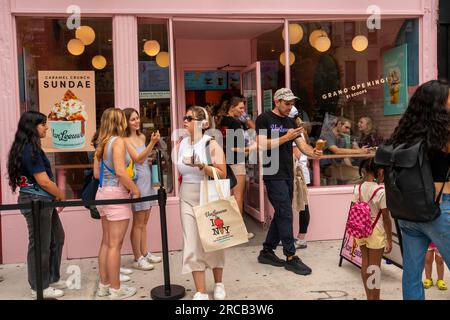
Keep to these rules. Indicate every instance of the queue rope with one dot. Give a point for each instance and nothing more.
(166, 291)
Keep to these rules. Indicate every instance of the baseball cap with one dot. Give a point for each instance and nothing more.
(284, 94)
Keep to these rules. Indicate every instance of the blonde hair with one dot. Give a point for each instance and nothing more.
(200, 114)
(113, 123)
(370, 126)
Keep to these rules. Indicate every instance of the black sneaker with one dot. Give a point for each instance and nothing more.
(269, 257)
(297, 266)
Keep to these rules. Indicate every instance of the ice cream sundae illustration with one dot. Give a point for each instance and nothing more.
(394, 85)
(219, 224)
(67, 121)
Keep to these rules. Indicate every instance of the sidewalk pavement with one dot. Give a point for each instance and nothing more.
(244, 277)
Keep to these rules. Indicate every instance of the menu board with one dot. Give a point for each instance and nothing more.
(205, 80)
(234, 80)
(152, 77)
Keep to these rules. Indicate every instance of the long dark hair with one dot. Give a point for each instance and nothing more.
(128, 112)
(368, 166)
(26, 134)
(426, 118)
(226, 106)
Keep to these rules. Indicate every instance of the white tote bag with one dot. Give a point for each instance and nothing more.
(211, 190)
(220, 224)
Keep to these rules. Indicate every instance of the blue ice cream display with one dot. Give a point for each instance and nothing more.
(67, 121)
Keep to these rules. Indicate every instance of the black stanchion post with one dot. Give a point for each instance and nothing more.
(167, 291)
(36, 206)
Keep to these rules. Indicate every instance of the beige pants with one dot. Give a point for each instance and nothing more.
(348, 174)
(194, 257)
(238, 169)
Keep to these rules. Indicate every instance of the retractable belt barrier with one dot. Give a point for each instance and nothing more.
(166, 291)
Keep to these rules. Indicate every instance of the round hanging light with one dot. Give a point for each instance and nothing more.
(75, 47)
(295, 33)
(291, 58)
(360, 43)
(316, 34)
(151, 47)
(322, 44)
(99, 62)
(162, 59)
(86, 34)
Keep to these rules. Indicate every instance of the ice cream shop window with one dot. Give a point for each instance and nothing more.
(353, 85)
(67, 74)
(154, 88)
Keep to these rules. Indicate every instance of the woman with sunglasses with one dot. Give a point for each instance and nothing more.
(192, 164)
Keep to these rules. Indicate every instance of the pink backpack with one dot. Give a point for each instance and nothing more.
(359, 222)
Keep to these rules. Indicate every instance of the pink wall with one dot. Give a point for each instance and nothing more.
(206, 55)
(283, 8)
(83, 234)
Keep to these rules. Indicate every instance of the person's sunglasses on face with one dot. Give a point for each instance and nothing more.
(188, 118)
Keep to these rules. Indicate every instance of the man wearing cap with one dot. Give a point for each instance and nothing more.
(276, 131)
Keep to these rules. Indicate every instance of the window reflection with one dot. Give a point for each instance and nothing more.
(42, 45)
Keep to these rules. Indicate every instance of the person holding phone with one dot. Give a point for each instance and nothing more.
(275, 134)
(139, 152)
(29, 170)
(193, 165)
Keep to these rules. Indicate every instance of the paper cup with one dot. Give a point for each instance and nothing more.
(68, 134)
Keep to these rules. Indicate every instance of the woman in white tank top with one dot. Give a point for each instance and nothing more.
(192, 164)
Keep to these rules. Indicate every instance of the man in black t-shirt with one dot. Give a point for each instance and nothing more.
(276, 131)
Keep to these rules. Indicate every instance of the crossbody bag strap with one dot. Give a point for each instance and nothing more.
(359, 192)
(438, 199)
(379, 212)
(376, 219)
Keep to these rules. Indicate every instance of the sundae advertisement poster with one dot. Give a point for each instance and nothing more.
(67, 98)
(396, 88)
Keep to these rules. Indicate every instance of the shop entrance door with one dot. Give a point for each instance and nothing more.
(254, 191)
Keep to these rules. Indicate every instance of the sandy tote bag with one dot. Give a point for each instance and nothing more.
(211, 190)
(220, 224)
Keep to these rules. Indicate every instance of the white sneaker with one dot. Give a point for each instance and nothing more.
(219, 291)
(124, 278)
(49, 293)
(250, 235)
(152, 258)
(122, 293)
(126, 271)
(200, 296)
(143, 264)
(300, 244)
(61, 284)
(103, 290)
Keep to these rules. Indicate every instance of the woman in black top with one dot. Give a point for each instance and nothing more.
(29, 169)
(427, 118)
(234, 144)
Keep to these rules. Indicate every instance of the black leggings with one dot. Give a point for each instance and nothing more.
(304, 220)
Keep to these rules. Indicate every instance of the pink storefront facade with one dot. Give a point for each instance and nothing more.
(201, 36)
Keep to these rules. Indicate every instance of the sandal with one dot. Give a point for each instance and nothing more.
(441, 285)
(427, 283)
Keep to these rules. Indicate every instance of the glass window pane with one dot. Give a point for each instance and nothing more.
(42, 45)
(154, 88)
(365, 76)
